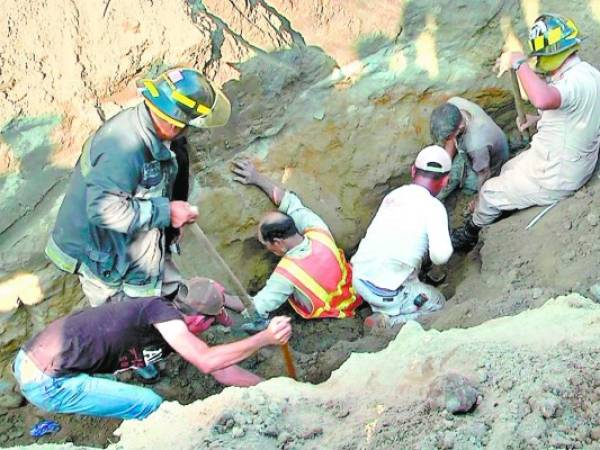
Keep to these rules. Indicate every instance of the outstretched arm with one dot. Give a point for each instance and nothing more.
(246, 173)
(236, 376)
(287, 201)
(214, 359)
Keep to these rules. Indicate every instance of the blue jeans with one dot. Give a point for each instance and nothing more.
(82, 393)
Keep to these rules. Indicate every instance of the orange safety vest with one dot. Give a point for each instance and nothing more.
(324, 276)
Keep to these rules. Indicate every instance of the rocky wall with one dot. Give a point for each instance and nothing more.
(332, 98)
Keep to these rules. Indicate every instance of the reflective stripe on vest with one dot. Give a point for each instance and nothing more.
(63, 261)
(333, 297)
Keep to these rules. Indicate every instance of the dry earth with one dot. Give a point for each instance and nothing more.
(529, 382)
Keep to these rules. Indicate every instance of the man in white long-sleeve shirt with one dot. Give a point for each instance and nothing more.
(410, 223)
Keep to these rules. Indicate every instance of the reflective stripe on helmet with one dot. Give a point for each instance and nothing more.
(183, 99)
(149, 84)
(537, 43)
(554, 35)
(204, 110)
(163, 116)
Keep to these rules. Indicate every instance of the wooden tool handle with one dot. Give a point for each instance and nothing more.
(519, 103)
(244, 297)
(289, 361)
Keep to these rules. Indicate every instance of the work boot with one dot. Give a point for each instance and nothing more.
(465, 238)
(257, 324)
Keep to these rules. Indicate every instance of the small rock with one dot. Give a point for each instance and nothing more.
(506, 384)
(483, 375)
(16, 433)
(595, 434)
(568, 225)
(237, 432)
(275, 409)
(284, 437)
(536, 293)
(532, 426)
(311, 433)
(547, 405)
(452, 392)
(270, 429)
(559, 440)
(592, 219)
(9, 398)
(477, 430)
(583, 432)
(448, 440)
(341, 411)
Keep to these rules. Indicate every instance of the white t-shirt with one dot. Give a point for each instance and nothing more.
(565, 147)
(409, 223)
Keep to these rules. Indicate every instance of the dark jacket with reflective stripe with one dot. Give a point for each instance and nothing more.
(116, 209)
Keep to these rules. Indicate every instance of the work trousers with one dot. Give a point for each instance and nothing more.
(82, 393)
(98, 292)
(401, 307)
(513, 189)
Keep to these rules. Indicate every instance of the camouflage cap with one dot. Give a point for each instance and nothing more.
(200, 295)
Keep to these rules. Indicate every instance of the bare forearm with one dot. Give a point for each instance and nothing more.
(272, 189)
(236, 376)
(541, 95)
(212, 359)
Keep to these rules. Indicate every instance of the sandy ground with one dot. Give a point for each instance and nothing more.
(524, 382)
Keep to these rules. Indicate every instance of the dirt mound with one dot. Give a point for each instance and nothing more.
(532, 380)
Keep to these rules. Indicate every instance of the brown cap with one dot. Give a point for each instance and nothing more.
(200, 296)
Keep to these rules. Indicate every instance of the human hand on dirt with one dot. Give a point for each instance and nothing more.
(472, 205)
(182, 213)
(279, 330)
(530, 120)
(506, 60)
(245, 172)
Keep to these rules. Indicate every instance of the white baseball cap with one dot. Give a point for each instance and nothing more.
(434, 159)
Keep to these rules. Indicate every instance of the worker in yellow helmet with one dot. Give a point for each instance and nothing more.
(564, 151)
(127, 197)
